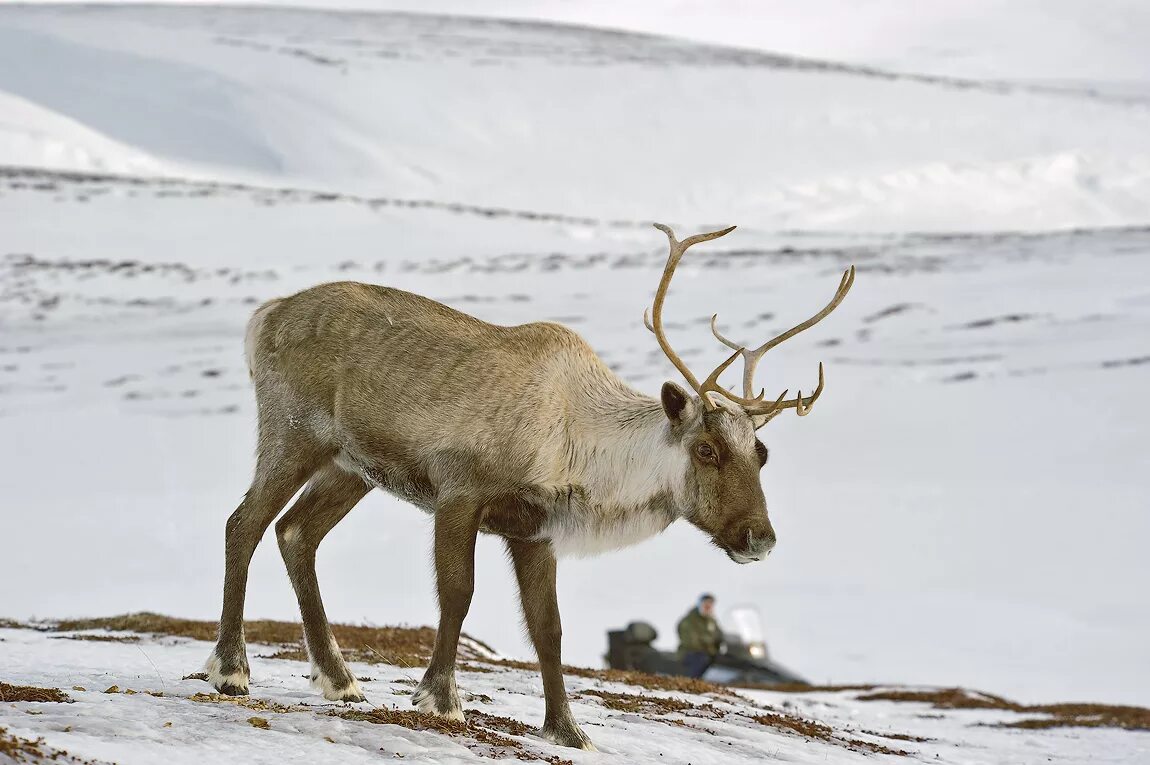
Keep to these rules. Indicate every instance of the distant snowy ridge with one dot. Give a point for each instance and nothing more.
(576, 120)
(1046, 40)
(32, 135)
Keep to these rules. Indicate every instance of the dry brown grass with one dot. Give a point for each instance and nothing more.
(100, 638)
(898, 736)
(656, 708)
(401, 646)
(807, 728)
(651, 705)
(857, 745)
(628, 677)
(945, 698)
(478, 668)
(31, 693)
(247, 702)
(508, 725)
(290, 654)
(143, 622)
(818, 731)
(475, 736)
(1053, 715)
(26, 751)
(1084, 716)
(483, 733)
(802, 687)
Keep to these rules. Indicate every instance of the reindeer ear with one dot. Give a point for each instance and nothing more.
(676, 402)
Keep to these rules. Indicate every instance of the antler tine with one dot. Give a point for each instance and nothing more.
(803, 408)
(769, 412)
(752, 357)
(655, 321)
(729, 343)
(712, 381)
(711, 384)
(802, 405)
(748, 365)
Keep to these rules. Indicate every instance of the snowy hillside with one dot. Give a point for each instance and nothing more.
(577, 120)
(967, 506)
(1098, 42)
(119, 696)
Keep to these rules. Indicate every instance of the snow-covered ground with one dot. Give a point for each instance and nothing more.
(184, 724)
(967, 506)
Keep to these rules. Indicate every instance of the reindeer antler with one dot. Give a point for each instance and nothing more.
(655, 323)
(761, 410)
(751, 358)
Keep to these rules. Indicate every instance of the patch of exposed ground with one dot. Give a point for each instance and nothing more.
(483, 733)
(101, 638)
(26, 751)
(898, 736)
(629, 677)
(1052, 715)
(247, 702)
(401, 646)
(476, 734)
(803, 687)
(31, 693)
(1084, 716)
(657, 708)
(818, 731)
(508, 725)
(944, 698)
(657, 705)
(475, 668)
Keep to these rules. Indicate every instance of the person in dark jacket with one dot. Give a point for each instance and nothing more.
(700, 638)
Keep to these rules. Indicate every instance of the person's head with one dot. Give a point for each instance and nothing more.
(707, 604)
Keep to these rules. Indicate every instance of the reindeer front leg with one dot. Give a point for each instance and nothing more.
(535, 570)
(456, 528)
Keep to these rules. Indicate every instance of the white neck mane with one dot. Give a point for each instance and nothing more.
(615, 446)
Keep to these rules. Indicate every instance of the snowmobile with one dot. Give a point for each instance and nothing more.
(744, 659)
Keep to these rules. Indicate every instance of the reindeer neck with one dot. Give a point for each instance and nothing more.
(621, 453)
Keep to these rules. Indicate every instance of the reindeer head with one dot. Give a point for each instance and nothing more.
(717, 428)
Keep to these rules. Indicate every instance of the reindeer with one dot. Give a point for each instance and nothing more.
(522, 432)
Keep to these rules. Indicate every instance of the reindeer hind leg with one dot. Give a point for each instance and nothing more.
(282, 468)
(330, 495)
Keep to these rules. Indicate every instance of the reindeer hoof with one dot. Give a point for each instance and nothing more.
(438, 699)
(347, 692)
(568, 735)
(232, 690)
(234, 683)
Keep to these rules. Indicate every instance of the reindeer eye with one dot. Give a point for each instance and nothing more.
(704, 452)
